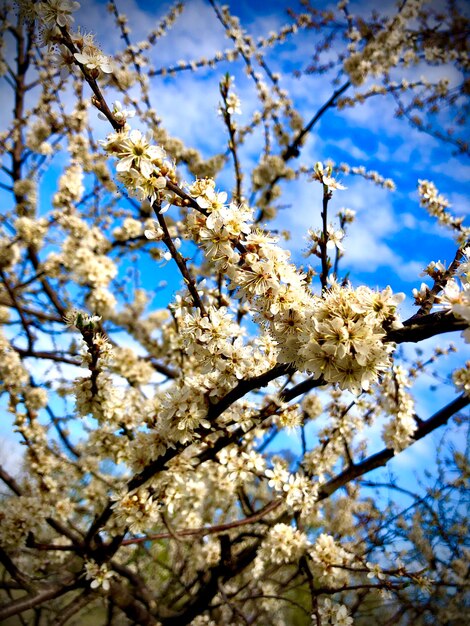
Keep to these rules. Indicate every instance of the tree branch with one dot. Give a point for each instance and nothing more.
(381, 458)
(417, 329)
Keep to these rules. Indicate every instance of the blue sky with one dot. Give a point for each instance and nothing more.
(393, 238)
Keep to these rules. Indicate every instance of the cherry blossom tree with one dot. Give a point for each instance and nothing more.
(158, 483)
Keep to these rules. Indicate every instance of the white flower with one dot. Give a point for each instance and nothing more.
(99, 575)
(324, 176)
(136, 152)
(57, 11)
(233, 104)
(334, 238)
(461, 378)
(335, 614)
(332, 183)
(375, 571)
(156, 233)
(118, 112)
(94, 59)
(78, 319)
(278, 476)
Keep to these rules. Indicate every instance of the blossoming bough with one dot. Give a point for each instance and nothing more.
(149, 485)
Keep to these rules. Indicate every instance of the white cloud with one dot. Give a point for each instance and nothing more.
(454, 169)
(11, 455)
(353, 150)
(460, 203)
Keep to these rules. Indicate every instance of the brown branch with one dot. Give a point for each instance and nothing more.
(215, 411)
(48, 355)
(208, 530)
(60, 358)
(266, 412)
(10, 481)
(15, 573)
(44, 547)
(134, 610)
(188, 279)
(381, 458)
(245, 386)
(98, 100)
(325, 262)
(22, 64)
(161, 368)
(19, 309)
(23, 60)
(303, 387)
(292, 149)
(30, 602)
(241, 389)
(419, 328)
(60, 528)
(73, 608)
(232, 142)
(184, 196)
(439, 284)
(33, 312)
(141, 589)
(51, 294)
(57, 526)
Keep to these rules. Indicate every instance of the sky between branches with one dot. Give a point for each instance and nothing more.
(393, 239)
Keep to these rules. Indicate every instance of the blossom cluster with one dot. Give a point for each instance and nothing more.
(339, 336)
(438, 206)
(379, 54)
(456, 293)
(398, 403)
(283, 544)
(56, 12)
(328, 558)
(142, 167)
(84, 253)
(334, 614)
(298, 491)
(150, 434)
(136, 510)
(461, 378)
